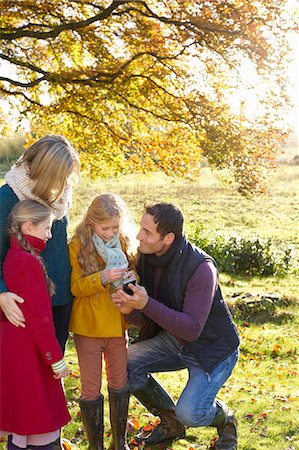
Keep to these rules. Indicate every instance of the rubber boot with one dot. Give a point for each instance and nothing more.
(159, 403)
(92, 412)
(51, 446)
(57, 445)
(10, 445)
(226, 424)
(119, 404)
(41, 447)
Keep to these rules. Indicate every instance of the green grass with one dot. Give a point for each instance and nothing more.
(209, 202)
(264, 387)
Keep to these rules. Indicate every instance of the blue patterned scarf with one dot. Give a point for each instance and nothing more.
(111, 252)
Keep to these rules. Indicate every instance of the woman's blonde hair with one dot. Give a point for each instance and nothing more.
(34, 212)
(50, 162)
(104, 207)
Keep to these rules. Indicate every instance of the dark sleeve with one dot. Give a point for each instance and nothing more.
(136, 318)
(30, 284)
(7, 200)
(188, 323)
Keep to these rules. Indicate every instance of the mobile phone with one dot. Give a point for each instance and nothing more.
(126, 289)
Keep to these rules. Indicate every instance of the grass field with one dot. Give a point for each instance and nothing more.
(264, 388)
(209, 202)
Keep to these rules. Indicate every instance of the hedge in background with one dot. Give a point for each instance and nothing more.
(11, 149)
(249, 255)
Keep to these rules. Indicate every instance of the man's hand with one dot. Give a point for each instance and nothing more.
(8, 304)
(118, 302)
(127, 303)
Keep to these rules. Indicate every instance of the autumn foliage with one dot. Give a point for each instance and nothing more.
(146, 85)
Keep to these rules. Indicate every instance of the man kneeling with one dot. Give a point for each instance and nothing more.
(184, 323)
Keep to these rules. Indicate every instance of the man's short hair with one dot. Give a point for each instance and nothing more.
(168, 217)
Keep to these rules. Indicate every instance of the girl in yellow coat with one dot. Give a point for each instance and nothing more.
(101, 255)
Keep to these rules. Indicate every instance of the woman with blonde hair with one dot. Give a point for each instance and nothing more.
(43, 174)
(102, 256)
(32, 402)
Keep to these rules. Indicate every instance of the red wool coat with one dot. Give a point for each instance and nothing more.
(31, 400)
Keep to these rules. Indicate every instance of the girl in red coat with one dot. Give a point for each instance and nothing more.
(32, 402)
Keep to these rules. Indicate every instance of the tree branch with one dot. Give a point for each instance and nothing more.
(148, 111)
(21, 32)
(17, 62)
(100, 77)
(92, 119)
(19, 93)
(191, 24)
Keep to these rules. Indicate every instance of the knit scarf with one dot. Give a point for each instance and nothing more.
(20, 182)
(111, 252)
(159, 289)
(146, 269)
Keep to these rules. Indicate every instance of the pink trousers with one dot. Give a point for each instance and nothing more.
(90, 356)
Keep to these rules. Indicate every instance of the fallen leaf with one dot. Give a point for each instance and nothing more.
(132, 424)
(66, 444)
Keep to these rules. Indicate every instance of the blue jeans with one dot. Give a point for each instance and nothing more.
(196, 406)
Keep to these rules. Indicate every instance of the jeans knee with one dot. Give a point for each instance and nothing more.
(133, 360)
(185, 416)
(131, 368)
(133, 371)
(136, 377)
(190, 418)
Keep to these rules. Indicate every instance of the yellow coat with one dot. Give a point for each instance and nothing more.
(93, 313)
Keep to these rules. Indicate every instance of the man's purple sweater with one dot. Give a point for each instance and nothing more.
(187, 324)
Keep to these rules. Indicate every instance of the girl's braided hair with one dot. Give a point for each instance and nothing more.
(34, 212)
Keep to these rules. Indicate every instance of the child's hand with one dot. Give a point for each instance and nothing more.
(62, 374)
(111, 275)
(60, 370)
(129, 274)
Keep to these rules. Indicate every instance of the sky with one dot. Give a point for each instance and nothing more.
(249, 92)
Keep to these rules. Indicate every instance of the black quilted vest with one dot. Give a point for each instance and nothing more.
(219, 337)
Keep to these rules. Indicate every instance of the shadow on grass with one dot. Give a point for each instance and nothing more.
(277, 319)
(260, 308)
